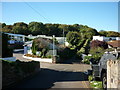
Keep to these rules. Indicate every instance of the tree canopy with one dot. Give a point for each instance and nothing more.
(59, 30)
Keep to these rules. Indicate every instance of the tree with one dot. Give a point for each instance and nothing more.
(88, 33)
(103, 33)
(73, 38)
(7, 28)
(20, 28)
(36, 28)
(113, 34)
(53, 29)
(3, 25)
(40, 44)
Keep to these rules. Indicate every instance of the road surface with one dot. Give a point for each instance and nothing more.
(57, 76)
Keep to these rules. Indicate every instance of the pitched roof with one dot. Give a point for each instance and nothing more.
(115, 43)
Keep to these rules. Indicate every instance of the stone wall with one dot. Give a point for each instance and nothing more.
(13, 72)
(113, 74)
(0, 74)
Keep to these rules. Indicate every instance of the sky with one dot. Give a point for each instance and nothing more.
(98, 15)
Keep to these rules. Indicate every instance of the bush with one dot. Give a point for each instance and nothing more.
(66, 53)
(82, 50)
(96, 54)
(90, 78)
(34, 48)
(87, 59)
(79, 55)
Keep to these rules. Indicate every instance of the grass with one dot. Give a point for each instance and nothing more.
(95, 84)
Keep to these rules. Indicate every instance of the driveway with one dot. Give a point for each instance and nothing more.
(57, 76)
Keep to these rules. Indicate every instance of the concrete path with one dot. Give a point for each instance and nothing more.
(58, 76)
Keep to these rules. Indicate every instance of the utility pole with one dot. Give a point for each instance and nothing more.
(53, 45)
(63, 36)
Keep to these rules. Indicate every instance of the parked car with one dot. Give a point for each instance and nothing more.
(100, 70)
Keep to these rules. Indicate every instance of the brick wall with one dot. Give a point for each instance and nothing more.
(113, 74)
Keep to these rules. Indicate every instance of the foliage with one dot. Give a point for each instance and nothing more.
(96, 54)
(87, 46)
(103, 33)
(7, 29)
(87, 59)
(34, 48)
(73, 38)
(90, 77)
(20, 28)
(37, 28)
(97, 43)
(96, 85)
(39, 44)
(80, 44)
(3, 25)
(66, 53)
(79, 55)
(109, 33)
(113, 34)
(82, 50)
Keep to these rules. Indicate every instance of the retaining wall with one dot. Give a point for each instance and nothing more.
(13, 72)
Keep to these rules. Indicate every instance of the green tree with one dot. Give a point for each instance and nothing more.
(103, 33)
(113, 34)
(73, 38)
(53, 29)
(7, 28)
(3, 25)
(89, 33)
(20, 28)
(36, 28)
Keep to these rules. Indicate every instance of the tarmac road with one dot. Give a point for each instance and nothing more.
(57, 76)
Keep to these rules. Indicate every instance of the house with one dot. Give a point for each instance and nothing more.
(114, 44)
(61, 40)
(103, 38)
(48, 42)
(15, 38)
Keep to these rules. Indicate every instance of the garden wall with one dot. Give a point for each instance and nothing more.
(13, 72)
(113, 74)
(0, 74)
(39, 59)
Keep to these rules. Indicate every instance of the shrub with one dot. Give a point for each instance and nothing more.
(34, 48)
(66, 53)
(90, 77)
(96, 54)
(82, 50)
(87, 59)
(79, 55)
